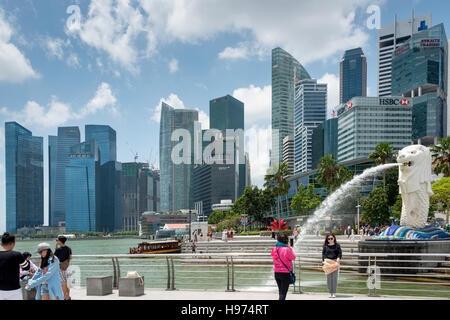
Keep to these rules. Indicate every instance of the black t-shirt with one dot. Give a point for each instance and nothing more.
(332, 252)
(10, 262)
(63, 253)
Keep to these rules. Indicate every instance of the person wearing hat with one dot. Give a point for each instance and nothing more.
(46, 280)
(64, 254)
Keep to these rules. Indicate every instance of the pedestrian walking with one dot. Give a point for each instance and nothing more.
(47, 280)
(282, 255)
(64, 254)
(332, 250)
(10, 263)
(224, 235)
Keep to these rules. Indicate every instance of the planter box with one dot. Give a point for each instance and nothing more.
(131, 287)
(99, 286)
(27, 294)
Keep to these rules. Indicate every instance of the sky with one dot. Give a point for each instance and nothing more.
(78, 62)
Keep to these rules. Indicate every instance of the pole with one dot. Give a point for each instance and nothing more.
(190, 221)
(357, 207)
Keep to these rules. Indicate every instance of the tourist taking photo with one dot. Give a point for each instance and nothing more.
(282, 255)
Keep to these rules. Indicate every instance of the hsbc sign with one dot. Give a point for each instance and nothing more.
(394, 101)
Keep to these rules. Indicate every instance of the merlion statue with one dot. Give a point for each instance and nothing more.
(414, 182)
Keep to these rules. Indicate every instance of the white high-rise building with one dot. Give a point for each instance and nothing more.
(390, 37)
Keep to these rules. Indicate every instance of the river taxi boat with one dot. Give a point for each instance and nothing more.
(168, 246)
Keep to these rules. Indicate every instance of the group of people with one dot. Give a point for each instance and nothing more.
(227, 234)
(50, 278)
(283, 257)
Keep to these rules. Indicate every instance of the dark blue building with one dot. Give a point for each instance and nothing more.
(83, 187)
(24, 178)
(67, 138)
(110, 215)
(353, 75)
(330, 137)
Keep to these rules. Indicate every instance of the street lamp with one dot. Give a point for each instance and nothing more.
(190, 221)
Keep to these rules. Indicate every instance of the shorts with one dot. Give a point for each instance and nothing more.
(64, 275)
(44, 289)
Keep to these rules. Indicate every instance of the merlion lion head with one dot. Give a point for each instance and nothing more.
(416, 164)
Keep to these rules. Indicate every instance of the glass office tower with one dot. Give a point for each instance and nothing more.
(176, 179)
(105, 137)
(24, 175)
(82, 187)
(419, 71)
(310, 112)
(364, 122)
(67, 138)
(286, 70)
(110, 215)
(353, 75)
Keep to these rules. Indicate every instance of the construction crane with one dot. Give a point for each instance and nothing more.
(135, 154)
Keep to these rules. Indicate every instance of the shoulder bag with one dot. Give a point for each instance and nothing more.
(292, 274)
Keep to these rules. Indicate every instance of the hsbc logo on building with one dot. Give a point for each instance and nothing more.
(395, 102)
(404, 102)
(349, 104)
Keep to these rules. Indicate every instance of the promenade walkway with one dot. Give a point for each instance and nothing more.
(155, 294)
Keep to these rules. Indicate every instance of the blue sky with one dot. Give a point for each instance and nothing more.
(117, 60)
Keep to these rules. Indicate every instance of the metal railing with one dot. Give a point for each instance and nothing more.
(360, 273)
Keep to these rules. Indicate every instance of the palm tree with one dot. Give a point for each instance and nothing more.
(275, 179)
(441, 157)
(382, 154)
(331, 174)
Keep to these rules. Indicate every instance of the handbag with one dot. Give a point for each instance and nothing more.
(329, 266)
(135, 274)
(291, 273)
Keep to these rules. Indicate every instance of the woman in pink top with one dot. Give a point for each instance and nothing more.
(284, 252)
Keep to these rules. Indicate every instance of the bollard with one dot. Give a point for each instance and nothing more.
(173, 274)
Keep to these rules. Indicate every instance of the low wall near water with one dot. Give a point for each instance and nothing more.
(409, 264)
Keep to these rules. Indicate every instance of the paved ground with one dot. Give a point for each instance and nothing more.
(155, 294)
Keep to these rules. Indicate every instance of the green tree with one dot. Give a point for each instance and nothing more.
(249, 203)
(332, 175)
(305, 199)
(275, 179)
(441, 195)
(217, 216)
(441, 157)
(376, 207)
(383, 153)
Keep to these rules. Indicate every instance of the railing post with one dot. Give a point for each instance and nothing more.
(232, 274)
(298, 277)
(168, 274)
(228, 275)
(116, 272)
(173, 274)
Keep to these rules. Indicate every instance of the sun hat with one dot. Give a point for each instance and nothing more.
(42, 246)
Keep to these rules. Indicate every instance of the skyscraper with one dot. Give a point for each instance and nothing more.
(52, 152)
(390, 38)
(82, 187)
(419, 71)
(353, 75)
(364, 122)
(105, 137)
(286, 70)
(176, 178)
(288, 152)
(310, 112)
(110, 211)
(24, 178)
(67, 138)
(228, 113)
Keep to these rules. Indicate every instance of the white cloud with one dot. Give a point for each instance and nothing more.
(258, 142)
(332, 81)
(54, 47)
(57, 113)
(73, 61)
(244, 50)
(2, 138)
(173, 65)
(103, 98)
(131, 30)
(257, 103)
(174, 101)
(14, 67)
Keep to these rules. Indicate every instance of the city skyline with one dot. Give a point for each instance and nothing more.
(71, 78)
